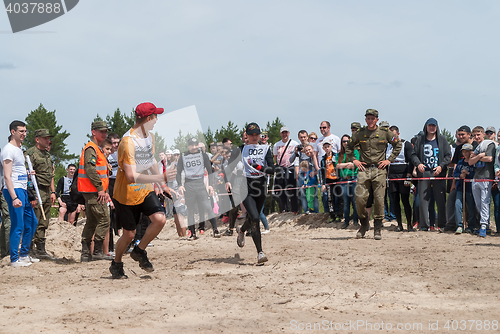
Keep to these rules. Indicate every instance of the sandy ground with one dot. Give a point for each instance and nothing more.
(318, 279)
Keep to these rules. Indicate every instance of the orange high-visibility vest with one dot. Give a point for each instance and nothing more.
(84, 183)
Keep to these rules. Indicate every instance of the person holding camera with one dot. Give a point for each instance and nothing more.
(312, 161)
(282, 151)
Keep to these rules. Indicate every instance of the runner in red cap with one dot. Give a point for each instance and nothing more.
(134, 193)
(147, 108)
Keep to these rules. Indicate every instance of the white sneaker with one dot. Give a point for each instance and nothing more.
(261, 258)
(265, 232)
(28, 258)
(19, 263)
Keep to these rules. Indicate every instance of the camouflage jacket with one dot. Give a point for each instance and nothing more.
(42, 164)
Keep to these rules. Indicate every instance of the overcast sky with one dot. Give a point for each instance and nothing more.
(250, 61)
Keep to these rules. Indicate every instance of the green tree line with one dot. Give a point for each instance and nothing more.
(119, 122)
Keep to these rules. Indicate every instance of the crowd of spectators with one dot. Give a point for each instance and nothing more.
(442, 187)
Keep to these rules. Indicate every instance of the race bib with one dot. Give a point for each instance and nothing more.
(193, 166)
(254, 154)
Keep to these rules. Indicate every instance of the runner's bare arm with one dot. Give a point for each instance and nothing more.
(134, 177)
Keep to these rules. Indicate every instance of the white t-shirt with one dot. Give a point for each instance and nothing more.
(113, 161)
(19, 174)
(336, 145)
(278, 151)
(67, 185)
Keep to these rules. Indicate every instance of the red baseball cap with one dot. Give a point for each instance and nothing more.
(147, 108)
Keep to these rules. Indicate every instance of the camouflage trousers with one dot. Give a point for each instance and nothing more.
(97, 219)
(371, 178)
(5, 228)
(43, 224)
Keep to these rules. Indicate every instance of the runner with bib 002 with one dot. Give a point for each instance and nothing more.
(257, 162)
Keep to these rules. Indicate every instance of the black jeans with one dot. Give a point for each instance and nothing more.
(253, 203)
(280, 186)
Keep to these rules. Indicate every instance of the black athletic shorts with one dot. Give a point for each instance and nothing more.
(128, 216)
(70, 206)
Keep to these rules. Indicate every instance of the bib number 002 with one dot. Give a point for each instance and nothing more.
(255, 151)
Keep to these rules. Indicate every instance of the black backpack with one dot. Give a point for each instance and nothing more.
(74, 194)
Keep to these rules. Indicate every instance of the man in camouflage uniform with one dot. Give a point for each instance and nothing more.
(372, 172)
(95, 202)
(44, 169)
(355, 126)
(5, 226)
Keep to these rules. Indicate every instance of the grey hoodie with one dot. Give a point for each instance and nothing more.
(444, 157)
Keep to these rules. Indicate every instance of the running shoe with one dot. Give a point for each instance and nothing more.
(228, 233)
(202, 232)
(459, 230)
(225, 219)
(28, 258)
(216, 234)
(265, 231)
(192, 237)
(141, 256)
(482, 232)
(345, 225)
(261, 258)
(242, 216)
(188, 233)
(240, 240)
(116, 270)
(432, 229)
(18, 263)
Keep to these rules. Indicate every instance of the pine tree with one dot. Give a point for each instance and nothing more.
(41, 118)
(180, 142)
(119, 123)
(209, 136)
(231, 131)
(273, 130)
(160, 145)
(449, 137)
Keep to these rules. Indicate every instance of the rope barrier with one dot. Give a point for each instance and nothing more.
(432, 178)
